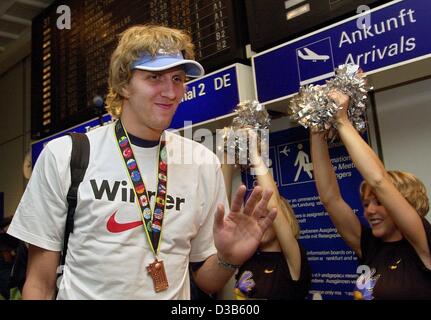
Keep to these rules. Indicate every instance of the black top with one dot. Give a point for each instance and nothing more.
(141, 142)
(266, 275)
(396, 270)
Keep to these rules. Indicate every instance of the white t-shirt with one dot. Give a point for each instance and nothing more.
(108, 251)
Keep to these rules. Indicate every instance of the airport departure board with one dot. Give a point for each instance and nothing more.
(70, 66)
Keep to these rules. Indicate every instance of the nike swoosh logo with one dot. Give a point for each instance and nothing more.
(115, 227)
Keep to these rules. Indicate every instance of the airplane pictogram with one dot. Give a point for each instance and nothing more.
(311, 55)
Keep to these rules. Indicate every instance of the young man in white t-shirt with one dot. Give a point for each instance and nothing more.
(146, 207)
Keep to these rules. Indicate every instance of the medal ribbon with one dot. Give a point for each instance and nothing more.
(152, 220)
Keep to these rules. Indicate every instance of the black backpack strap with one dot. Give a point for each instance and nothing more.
(78, 165)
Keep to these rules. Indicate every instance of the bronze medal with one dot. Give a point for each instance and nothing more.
(158, 274)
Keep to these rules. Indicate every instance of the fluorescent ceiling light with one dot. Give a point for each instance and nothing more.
(298, 11)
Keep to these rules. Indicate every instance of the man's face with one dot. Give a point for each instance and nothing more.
(151, 98)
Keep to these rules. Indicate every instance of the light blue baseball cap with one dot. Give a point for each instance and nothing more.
(166, 60)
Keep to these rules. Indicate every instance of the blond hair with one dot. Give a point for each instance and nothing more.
(134, 42)
(290, 215)
(411, 188)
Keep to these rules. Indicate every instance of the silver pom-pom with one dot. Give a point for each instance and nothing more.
(313, 108)
(250, 115)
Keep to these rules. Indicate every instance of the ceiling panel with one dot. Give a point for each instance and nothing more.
(15, 28)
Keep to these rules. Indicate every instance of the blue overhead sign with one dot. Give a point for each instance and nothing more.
(209, 97)
(37, 146)
(393, 33)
